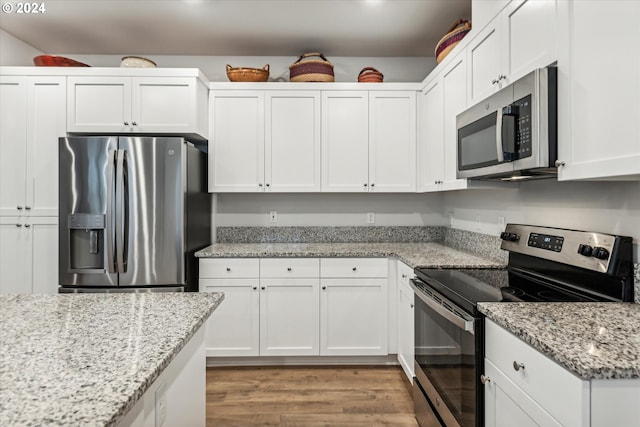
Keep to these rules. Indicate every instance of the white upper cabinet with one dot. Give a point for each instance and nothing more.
(236, 142)
(345, 141)
(113, 104)
(33, 117)
(292, 141)
(392, 141)
(454, 92)
(521, 38)
(599, 100)
(431, 146)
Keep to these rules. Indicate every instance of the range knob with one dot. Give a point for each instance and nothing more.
(510, 237)
(600, 253)
(585, 250)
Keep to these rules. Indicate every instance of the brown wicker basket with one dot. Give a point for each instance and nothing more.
(311, 70)
(456, 32)
(248, 74)
(370, 75)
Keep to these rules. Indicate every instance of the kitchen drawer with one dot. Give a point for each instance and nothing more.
(353, 267)
(547, 383)
(289, 267)
(222, 268)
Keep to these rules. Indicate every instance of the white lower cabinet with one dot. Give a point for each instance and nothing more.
(406, 350)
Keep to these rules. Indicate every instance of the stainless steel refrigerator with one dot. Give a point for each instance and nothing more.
(133, 210)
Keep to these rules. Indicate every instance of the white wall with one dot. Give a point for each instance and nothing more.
(403, 69)
(15, 52)
(329, 209)
(610, 207)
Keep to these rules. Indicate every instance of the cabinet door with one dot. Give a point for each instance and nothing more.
(345, 141)
(485, 54)
(289, 317)
(431, 156)
(163, 104)
(234, 327)
(236, 141)
(599, 101)
(531, 31)
(46, 122)
(392, 141)
(455, 101)
(353, 317)
(292, 141)
(405, 321)
(99, 104)
(507, 405)
(44, 250)
(13, 144)
(15, 258)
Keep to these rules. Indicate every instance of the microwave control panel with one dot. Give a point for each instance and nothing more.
(522, 110)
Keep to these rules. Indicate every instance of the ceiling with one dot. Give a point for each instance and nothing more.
(376, 28)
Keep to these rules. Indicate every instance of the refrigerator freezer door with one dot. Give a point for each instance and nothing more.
(85, 230)
(150, 196)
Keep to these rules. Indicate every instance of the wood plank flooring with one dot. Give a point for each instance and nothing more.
(309, 397)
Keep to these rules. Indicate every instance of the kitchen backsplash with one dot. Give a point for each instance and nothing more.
(483, 244)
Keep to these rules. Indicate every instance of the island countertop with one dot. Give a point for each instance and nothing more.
(85, 359)
(593, 340)
(434, 255)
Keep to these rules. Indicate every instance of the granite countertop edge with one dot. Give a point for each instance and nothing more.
(162, 365)
(564, 353)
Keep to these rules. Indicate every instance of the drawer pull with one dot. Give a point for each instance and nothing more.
(324, 288)
(484, 379)
(288, 268)
(517, 366)
(354, 268)
(255, 288)
(228, 269)
(263, 288)
(411, 305)
(404, 276)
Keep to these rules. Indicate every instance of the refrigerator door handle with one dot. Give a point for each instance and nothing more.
(110, 236)
(120, 196)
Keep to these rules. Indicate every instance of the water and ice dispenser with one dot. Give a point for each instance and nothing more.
(86, 242)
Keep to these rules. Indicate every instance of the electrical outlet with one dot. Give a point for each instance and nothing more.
(371, 218)
(273, 216)
(161, 405)
(501, 222)
(450, 219)
(478, 222)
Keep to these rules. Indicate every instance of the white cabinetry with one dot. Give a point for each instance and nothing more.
(431, 146)
(353, 306)
(106, 104)
(599, 101)
(264, 141)
(405, 320)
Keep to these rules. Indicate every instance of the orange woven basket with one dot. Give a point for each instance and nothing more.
(311, 70)
(370, 75)
(455, 33)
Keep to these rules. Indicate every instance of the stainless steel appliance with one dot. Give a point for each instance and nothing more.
(545, 264)
(512, 135)
(132, 212)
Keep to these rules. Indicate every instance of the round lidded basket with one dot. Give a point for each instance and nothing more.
(137, 62)
(239, 74)
(370, 75)
(311, 70)
(456, 32)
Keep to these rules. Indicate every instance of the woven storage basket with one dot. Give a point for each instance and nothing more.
(456, 32)
(248, 74)
(370, 75)
(311, 70)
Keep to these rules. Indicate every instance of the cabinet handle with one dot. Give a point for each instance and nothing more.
(517, 366)
(288, 268)
(263, 288)
(324, 288)
(484, 379)
(134, 123)
(18, 225)
(228, 269)
(126, 123)
(494, 81)
(27, 225)
(19, 208)
(502, 77)
(559, 163)
(28, 208)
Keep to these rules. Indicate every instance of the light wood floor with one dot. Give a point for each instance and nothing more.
(309, 397)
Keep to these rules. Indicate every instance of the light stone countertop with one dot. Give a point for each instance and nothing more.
(86, 359)
(592, 340)
(433, 255)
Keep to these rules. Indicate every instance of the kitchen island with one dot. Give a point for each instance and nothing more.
(95, 359)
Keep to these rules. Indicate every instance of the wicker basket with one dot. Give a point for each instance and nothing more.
(456, 32)
(311, 70)
(370, 75)
(248, 74)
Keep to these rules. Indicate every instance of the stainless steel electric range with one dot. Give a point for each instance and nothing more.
(545, 264)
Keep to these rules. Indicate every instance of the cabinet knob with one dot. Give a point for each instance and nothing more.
(268, 185)
(324, 288)
(260, 185)
(494, 81)
(28, 208)
(484, 379)
(134, 123)
(411, 305)
(404, 276)
(559, 163)
(126, 123)
(255, 288)
(517, 366)
(354, 268)
(373, 184)
(18, 225)
(27, 225)
(19, 208)
(502, 77)
(263, 288)
(228, 269)
(365, 184)
(288, 268)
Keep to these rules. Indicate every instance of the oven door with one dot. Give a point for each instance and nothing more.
(448, 360)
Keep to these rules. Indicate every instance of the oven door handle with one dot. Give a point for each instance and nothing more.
(461, 322)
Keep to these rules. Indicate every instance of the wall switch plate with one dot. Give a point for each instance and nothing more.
(161, 405)
(273, 216)
(371, 218)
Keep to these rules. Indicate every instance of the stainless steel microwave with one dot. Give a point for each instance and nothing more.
(512, 135)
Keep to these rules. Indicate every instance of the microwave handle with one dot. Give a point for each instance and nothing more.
(499, 150)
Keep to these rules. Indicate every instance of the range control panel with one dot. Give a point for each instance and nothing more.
(590, 250)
